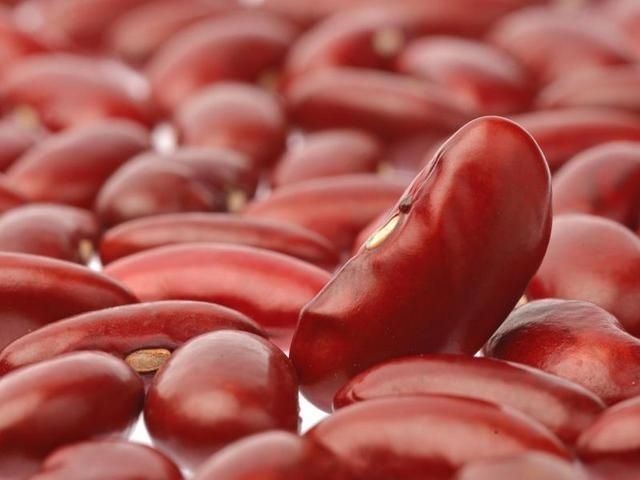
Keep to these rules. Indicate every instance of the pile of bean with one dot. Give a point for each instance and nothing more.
(420, 216)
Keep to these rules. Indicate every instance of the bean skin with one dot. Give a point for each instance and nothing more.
(428, 437)
(217, 388)
(390, 299)
(563, 407)
(35, 291)
(9, 198)
(63, 401)
(160, 230)
(16, 43)
(15, 140)
(269, 287)
(575, 340)
(593, 259)
(274, 455)
(107, 460)
(144, 334)
(528, 466)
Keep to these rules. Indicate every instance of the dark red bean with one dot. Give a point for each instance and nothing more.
(566, 132)
(276, 456)
(72, 166)
(487, 80)
(65, 90)
(552, 42)
(388, 105)
(593, 259)
(528, 466)
(15, 140)
(56, 231)
(235, 116)
(604, 181)
(146, 233)
(138, 33)
(428, 437)
(269, 287)
(336, 208)
(575, 340)
(615, 87)
(107, 460)
(9, 198)
(440, 255)
(218, 388)
(563, 407)
(35, 291)
(65, 400)
(144, 335)
(328, 154)
(240, 46)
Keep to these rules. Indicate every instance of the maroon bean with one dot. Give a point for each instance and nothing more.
(218, 388)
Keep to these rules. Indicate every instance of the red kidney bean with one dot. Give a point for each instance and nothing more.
(593, 259)
(614, 87)
(604, 181)
(269, 287)
(388, 105)
(144, 335)
(428, 437)
(67, 90)
(217, 388)
(484, 78)
(9, 198)
(626, 14)
(15, 140)
(528, 466)
(62, 401)
(328, 154)
(107, 460)
(71, 167)
(336, 208)
(413, 153)
(467, 274)
(552, 42)
(274, 455)
(138, 33)
(575, 340)
(563, 407)
(16, 43)
(235, 116)
(240, 46)
(146, 233)
(57, 231)
(37, 290)
(565, 133)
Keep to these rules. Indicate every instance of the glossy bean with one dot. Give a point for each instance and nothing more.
(336, 208)
(35, 291)
(235, 116)
(241, 46)
(15, 140)
(531, 466)
(56, 231)
(390, 299)
(563, 407)
(218, 388)
(428, 437)
(575, 340)
(485, 79)
(388, 105)
(328, 154)
(65, 90)
(593, 259)
(159, 230)
(144, 335)
(603, 181)
(552, 43)
(63, 401)
(269, 287)
(9, 198)
(72, 166)
(107, 460)
(138, 33)
(614, 87)
(564, 133)
(276, 456)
